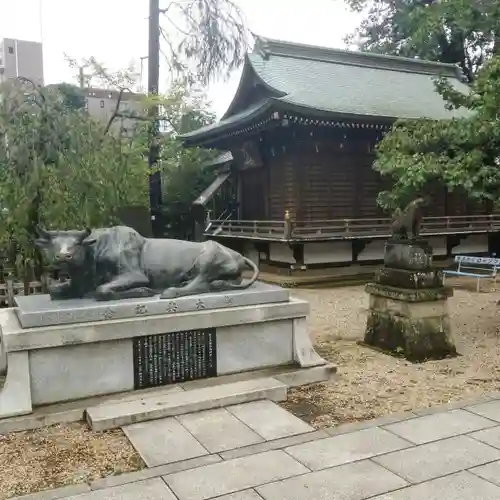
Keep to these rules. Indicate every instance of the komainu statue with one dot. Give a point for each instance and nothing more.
(118, 263)
(406, 223)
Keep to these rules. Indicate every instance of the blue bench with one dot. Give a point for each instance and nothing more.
(475, 267)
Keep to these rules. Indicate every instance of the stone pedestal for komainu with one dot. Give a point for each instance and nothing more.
(408, 310)
(197, 318)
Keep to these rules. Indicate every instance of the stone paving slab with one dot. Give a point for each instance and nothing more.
(218, 430)
(342, 463)
(439, 458)
(356, 481)
(489, 436)
(490, 410)
(439, 426)
(455, 405)
(276, 444)
(346, 448)
(151, 472)
(242, 495)
(163, 441)
(490, 472)
(59, 493)
(109, 416)
(459, 486)
(368, 424)
(152, 489)
(269, 420)
(234, 475)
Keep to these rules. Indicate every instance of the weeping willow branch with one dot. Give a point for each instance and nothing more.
(204, 38)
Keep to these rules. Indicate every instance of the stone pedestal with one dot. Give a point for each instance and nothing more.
(66, 350)
(408, 312)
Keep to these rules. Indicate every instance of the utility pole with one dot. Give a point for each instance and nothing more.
(81, 77)
(153, 84)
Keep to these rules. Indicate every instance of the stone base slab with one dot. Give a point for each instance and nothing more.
(84, 360)
(114, 415)
(15, 396)
(417, 310)
(412, 280)
(419, 331)
(413, 255)
(40, 310)
(408, 295)
(74, 411)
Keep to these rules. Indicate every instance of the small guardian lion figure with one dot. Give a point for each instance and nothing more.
(406, 223)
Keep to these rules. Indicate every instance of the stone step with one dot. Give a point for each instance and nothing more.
(113, 415)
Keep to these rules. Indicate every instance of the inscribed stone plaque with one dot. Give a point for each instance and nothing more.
(412, 255)
(170, 358)
(35, 311)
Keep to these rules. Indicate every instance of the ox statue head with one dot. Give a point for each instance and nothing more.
(65, 249)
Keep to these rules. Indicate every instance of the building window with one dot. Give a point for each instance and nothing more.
(102, 104)
(11, 50)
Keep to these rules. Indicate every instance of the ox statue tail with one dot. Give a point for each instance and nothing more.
(251, 265)
(227, 285)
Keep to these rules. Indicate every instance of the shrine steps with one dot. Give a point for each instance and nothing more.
(74, 411)
(114, 415)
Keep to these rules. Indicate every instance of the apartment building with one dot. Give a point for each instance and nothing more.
(21, 58)
(101, 104)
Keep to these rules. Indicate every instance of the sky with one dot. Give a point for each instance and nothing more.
(117, 35)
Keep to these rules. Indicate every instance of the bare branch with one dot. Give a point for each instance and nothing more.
(209, 35)
(115, 112)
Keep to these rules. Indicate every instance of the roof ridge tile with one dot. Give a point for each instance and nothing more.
(267, 47)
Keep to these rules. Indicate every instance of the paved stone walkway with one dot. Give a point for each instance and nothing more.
(259, 451)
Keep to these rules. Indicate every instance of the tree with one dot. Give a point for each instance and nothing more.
(185, 173)
(60, 168)
(462, 153)
(463, 32)
(73, 97)
(203, 38)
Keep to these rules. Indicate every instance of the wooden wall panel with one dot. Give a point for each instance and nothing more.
(254, 193)
(342, 188)
(321, 174)
(282, 189)
(368, 185)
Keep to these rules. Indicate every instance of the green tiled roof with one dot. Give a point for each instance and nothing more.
(341, 83)
(238, 118)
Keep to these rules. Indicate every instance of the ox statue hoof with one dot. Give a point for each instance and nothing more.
(169, 293)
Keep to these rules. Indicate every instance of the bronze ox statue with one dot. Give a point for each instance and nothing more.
(118, 263)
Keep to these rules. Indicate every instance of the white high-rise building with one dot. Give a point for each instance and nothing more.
(21, 58)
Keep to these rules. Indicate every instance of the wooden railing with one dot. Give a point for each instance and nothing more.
(267, 230)
(342, 229)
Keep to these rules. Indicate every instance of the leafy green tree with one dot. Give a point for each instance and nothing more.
(185, 172)
(60, 168)
(461, 153)
(463, 32)
(72, 96)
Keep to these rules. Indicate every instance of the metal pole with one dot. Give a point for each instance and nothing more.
(81, 77)
(153, 84)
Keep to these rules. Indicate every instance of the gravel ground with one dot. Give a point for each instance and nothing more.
(60, 455)
(371, 384)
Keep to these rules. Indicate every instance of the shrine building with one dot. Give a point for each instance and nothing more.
(296, 187)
